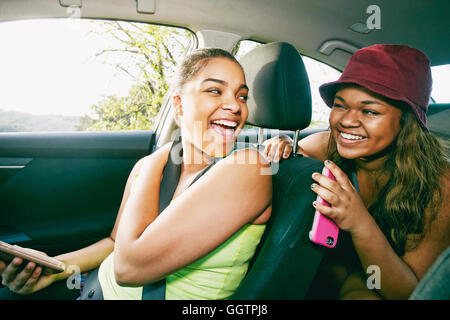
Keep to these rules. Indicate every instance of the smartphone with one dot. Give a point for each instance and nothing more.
(324, 231)
(8, 252)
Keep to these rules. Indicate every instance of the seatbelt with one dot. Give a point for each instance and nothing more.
(92, 289)
(169, 183)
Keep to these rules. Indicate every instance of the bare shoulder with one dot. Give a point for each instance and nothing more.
(315, 145)
(247, 158)
(446, 182)
(159, 157)
(436, 237)
(246, 168)
(441, 220)
(443, 215)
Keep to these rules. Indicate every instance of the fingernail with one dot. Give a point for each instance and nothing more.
(37, 272)
(327, 162)
(314, 174)
(313, 186)
(315, 203)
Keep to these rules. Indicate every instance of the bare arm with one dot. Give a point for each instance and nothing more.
(397, 278)
(355, 288)
(32, 278)
(398, 275)
(92, 256)
(436, 238)
(313, 146)
(199, 220)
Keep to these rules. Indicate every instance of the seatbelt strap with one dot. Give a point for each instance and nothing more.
(169, 183)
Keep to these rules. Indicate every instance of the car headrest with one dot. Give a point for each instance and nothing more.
(279, 95)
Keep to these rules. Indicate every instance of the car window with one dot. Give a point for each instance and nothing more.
(245, 46)
(318, 74)
(85, 75)
(441, 82)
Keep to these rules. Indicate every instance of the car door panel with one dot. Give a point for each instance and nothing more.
(60, 192)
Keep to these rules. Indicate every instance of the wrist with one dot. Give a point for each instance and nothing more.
(60, 276)
(57, 276)
(364, 229)
(68, 271)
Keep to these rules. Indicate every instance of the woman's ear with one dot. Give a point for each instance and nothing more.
(178, 110)
(176, 103)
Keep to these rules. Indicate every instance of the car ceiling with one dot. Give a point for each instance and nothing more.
(309, 25)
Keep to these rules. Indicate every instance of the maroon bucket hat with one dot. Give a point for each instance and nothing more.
(397, 72)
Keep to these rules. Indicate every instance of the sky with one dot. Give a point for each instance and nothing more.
(48, 70)
(49, 67)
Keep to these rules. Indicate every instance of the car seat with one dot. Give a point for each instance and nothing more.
(435, 285)
(279, 97)
(438, 119)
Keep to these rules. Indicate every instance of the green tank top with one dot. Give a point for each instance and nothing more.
(215, 276)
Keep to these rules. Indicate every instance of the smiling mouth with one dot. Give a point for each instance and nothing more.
(225, 128)
(347, 137)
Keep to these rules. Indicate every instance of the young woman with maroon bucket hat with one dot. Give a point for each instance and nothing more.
(392, 175)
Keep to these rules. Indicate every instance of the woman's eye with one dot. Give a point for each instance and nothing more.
(243, 98)
(215, 91)
(337, 105)
(371, 112)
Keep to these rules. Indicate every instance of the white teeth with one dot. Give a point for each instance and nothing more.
(225, 123)
(351, 136)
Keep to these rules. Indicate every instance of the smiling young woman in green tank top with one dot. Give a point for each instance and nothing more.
(203, 241)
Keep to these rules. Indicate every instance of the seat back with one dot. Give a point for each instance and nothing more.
(287, 260)
(438, 118)
(279, 97)
(435, 284)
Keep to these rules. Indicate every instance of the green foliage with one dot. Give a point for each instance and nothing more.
(134, 112)
(148, 54)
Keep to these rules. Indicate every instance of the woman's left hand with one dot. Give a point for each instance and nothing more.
(346, 209)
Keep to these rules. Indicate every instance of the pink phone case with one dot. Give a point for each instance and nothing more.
(324, 231)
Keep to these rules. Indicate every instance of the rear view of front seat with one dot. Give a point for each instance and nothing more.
(280, 98)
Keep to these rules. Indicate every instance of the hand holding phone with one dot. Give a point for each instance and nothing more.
(8, 252)
(324, 231)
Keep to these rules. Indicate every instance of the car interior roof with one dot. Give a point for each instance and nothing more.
(319, 29)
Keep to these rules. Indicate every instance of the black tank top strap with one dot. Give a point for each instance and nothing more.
(169, 183)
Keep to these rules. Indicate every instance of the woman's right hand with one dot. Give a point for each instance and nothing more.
(27, 280)
(277, 147)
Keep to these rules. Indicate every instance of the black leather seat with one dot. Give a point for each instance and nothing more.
(286, 261)
(438, 120)
(435, 285)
